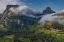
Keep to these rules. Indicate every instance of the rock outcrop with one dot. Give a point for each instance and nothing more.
(7, 12)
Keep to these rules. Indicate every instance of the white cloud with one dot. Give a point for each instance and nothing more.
(62, 11)
(22, 10)
(3, 4)
(19, 9)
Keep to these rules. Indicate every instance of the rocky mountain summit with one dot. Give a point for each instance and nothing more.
(48, 10)
(7, 10)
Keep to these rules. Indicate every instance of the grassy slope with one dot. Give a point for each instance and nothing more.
(34, 34)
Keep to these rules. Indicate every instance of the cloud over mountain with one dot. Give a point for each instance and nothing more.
(22, 10)
(3, 4)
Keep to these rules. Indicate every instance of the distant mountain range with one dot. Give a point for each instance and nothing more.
(27, 19)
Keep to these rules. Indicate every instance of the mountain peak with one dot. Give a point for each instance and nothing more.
(48, 10)
(9, 6)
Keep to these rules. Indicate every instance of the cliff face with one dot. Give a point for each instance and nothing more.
(7, 12)
(48, 10)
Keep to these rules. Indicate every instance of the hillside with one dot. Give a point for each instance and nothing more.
(24, 26)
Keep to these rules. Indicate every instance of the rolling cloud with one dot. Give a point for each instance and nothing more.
(21, 10)
(50, 17)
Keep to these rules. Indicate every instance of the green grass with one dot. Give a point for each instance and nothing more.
(7, 38)
(24, 39)
(3, 29)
